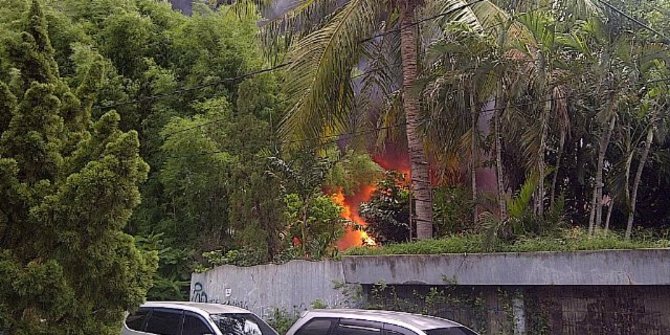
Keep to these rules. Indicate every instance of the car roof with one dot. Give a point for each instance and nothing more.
(423, 322)
(195, 307)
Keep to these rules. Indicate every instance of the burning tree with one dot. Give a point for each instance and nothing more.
(387, 212)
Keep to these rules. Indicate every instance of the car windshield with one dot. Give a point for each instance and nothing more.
(450, 331)
(242, 324)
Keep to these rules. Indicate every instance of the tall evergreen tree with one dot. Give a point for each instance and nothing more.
(68, 189)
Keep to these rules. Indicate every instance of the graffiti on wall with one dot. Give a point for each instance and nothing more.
(199, 294)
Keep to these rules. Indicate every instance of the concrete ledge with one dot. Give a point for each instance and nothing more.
(603, 267)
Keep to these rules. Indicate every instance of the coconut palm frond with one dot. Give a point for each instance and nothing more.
(319, 77)
(298, 19)
(379, 84)
(530, 142)
(489, 14)
(578, 9)
(381, 73)
(390, 124)
(475, 15)
(560, 106)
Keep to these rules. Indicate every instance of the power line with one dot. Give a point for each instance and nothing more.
(333, 139)
(336, 137)
(634, 20)
(415, 23)
(195, 88)
(226, 118)
(271, 69)
(261, 71)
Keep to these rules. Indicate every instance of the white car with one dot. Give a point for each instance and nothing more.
(190, 318)
(373, 322)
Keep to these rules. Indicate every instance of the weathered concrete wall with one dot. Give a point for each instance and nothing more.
(294, 285)
(570, 293)
(612, 310)
(609, 267)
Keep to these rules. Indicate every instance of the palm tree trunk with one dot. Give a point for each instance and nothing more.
(303, 230)
(541, 166)
(561, 146)
(473, 154)
(419, 164)
(502, 206)
(636, 183)
(609, 215)
(595, 218)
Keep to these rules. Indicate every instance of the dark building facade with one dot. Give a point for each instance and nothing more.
(184, 6)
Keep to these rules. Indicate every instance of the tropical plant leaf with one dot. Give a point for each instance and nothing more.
(319, 77)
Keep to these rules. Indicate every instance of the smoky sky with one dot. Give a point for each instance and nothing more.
(277, 8)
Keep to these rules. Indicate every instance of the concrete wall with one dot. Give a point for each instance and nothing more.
(294, 285)
(573, 292)
(611, 310)
(613, 267)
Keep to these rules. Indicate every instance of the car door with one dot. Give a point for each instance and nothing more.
(195, 324)
(318, 326)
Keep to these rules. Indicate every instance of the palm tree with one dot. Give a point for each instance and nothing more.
(611, 72)
(541, 51)
(457, 89)
(320, 78)
(653, 103)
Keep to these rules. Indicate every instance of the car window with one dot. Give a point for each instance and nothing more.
(450, 331)
(136, 320)
(164, 322)
(358, 327)
(398, 331)
(316, 327)
(195, 325)
(241, 324)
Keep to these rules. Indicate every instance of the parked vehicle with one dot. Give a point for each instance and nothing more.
(369, 322)
(189, 318)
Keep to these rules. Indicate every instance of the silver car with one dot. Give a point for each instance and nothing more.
(370, 322)
(189, 318)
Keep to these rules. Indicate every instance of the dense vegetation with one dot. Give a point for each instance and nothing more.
(70, 181)
(138, 144)
(552, 113)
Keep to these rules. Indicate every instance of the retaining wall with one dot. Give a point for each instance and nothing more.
(622, 285)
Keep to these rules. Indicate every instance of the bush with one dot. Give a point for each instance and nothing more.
(281, 320)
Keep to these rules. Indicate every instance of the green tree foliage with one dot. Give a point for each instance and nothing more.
(69, 188)
(387, 213)
(208, 188)
(317, 222)
(568, 85)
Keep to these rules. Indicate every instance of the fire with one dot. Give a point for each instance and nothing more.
(350, 205)
(394, 159)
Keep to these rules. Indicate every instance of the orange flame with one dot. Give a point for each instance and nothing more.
(352, 237)
(396, 161)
